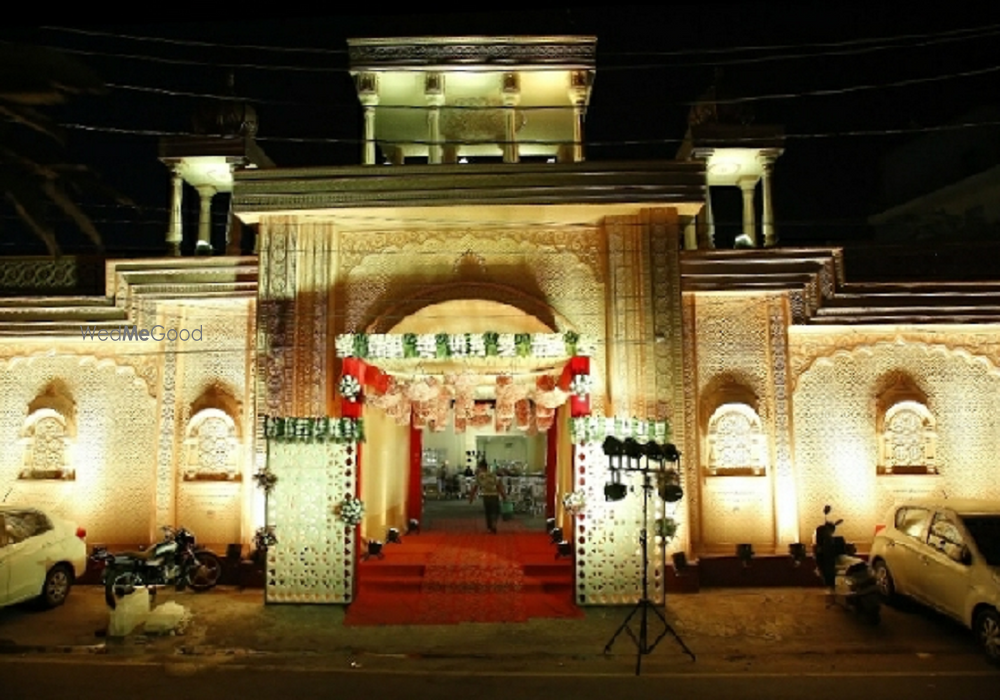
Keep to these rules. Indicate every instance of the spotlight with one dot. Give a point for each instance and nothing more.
(680, 562)
(613, 447)
(413, 527)
(797, 551)
(374, 550)
(550, 524)
(653, 450)
(632, 448)
(668, 486)
(670, 453)
(564, 549)
(615, 490)
(392, 537)
(556, 535)
(745, 553)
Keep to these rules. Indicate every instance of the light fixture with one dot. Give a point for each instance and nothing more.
(392, 537)
(797, 551)
(633, 449)
(374, 550)
(550, 524)
(556, 535)
(680, 562)
(670, 452)
(413, 527)
(668, 486)
(615, 490)
(564, 549)
(745, 553)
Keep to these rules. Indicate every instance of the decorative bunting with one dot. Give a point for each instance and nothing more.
(365, 346)
(321, 429)
(593, 429)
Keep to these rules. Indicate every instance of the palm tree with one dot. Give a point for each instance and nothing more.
(36, 183)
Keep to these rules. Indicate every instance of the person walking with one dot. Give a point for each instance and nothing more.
(489, 486)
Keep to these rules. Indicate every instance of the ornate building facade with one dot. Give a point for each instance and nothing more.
(529, 289)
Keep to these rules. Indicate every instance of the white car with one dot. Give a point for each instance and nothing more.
(40, 556)
(946, 555)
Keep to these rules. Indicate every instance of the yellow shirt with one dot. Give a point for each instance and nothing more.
(488, 484)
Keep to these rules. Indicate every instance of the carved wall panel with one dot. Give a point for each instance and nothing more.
(313, 561)
(116, 428)
(837, 441)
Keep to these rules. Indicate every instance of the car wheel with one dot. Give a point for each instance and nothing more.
(987, 628)
(56, 587)
(883, 579)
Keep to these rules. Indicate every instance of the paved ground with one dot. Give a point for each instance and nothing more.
(724, 628)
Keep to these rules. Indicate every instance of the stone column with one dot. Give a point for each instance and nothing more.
(579, 87)
(709, 217)
(767, 212)
(434, 94)
(175, 233)
(749, 187)
(367, 84)
(204, 245)
(511, 98)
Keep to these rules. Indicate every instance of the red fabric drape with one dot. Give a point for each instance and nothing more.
(415, 493)
(551, 457)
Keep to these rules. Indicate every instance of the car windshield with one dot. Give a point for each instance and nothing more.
(985, 530)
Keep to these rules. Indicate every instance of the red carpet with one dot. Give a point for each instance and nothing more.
(459, 573)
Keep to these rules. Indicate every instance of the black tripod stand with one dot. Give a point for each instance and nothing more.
(645, 604)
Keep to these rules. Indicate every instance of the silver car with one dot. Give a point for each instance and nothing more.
(946, 555)
(40, 556)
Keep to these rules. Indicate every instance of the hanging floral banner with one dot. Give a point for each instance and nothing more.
(593, 429)
(443, 345)
(574, 502)
(322, 429)
(351, 511)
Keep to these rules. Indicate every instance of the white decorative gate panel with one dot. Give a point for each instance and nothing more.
(313, 560)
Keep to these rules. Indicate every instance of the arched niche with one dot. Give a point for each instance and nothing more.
(906, 428)
(47, 434)
(212, 447)
(734, 441)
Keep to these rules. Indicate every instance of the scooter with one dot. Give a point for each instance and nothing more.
(850, 580)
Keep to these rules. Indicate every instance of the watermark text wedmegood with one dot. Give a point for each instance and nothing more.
(157, 332)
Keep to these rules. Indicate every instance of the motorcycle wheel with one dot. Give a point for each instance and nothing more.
(207, 573)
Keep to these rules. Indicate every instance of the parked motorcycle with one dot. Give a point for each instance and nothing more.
(175, 560)
(850, 579)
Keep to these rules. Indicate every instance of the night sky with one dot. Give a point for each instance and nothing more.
(652, 62)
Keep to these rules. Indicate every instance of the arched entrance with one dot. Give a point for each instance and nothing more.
(481, 397)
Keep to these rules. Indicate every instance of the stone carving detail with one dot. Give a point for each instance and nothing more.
(836, 429)
(313, 561)
(115, 436)
(908, 440)
(167, 438)
(477, 119)
(212, 447)
(46, 446)
(736, 441)
(39, 273)
(464, 53)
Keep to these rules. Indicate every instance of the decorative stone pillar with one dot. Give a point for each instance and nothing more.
(367, 84)
(579, 87)
(749, 187)
(175, 233)
(511, 98)
(767, 212)
(204, 245)
(709, 217)
(434, 94)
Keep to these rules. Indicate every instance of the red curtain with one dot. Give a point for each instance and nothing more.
(551, 457)
(415, 494)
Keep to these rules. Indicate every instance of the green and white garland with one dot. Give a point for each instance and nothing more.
(594, 429)
(351, 511)
(574, 501)
(319, 429)
(442, 345)
(349, 387)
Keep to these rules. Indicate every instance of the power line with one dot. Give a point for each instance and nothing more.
(955, 34)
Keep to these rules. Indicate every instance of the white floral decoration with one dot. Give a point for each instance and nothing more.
(580, 385)
(574, 501)
(351, 511)
(345, 345)
(427, 345)
(506, 346)
(349, 387)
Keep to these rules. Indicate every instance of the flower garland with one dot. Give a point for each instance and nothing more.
(266, 479)
(349, 387)
(444, 345)
(320, 429)
(595, 429)
(574, 501)
(264, 538)
(665, 528)
(351, 511)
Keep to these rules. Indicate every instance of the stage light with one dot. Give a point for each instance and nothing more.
(413, 527)
(668, 486)
(797, 551)
(556, 535)
(374, 550)
(550, 524)
(564, 549)
(745, 553)
(632, 448)
(615, 491)
(670, 452)
(392, 537)
(613, 447)
(653, 450)
(680, 562)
